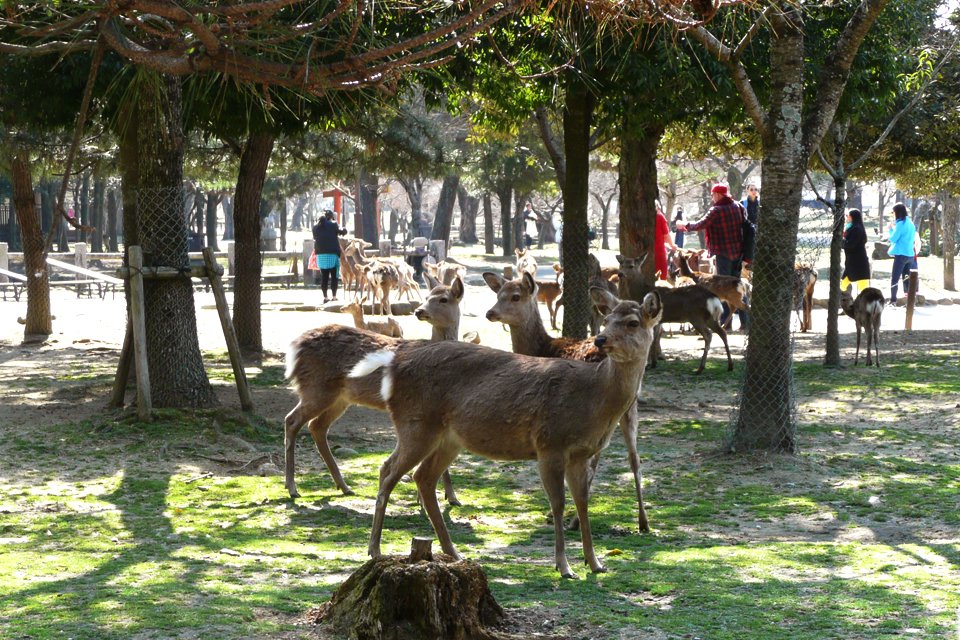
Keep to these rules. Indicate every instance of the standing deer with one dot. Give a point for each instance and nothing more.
(517, 308)
(865, 310)
(526, 262)
(318, 362)
(804, 279)
(507, 406)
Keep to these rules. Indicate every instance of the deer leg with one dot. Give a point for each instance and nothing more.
(448, 493)
(426, 477)
(707, 337)
(291, 427)
(578, 479)
(319, 427)
(551, 475)
(876, 339)
(723, 336)
(393, 469)
(575, 520)
(856, 358)
(628, 426)
(553, 314)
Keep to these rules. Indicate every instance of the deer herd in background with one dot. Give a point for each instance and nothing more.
(553, 400)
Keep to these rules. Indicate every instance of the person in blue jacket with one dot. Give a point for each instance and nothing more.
(901, 248)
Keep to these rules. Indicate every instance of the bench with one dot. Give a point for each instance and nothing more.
(101, 281)
(16, 286)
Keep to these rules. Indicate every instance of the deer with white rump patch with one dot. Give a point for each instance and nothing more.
(507, 406)
(865, 310)
(318, 363)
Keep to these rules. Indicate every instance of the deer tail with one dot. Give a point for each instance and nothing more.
(374, 362)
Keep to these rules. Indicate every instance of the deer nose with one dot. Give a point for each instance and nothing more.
(599, 341)
(419, 313)
(492, 315)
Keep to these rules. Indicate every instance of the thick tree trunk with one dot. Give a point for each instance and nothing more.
(443, 220)
(112, 217)
(505, 196)
(154, 219)
(951, 211)
(414, 189)
(488, 231)
(469, 207)
(246, 223)
(99, 191)
(39, 321)
(228, 231)
(934, 232)
(766, 420)
(638, 193)
(213, 199)
(367, 186)
(577, 119)
(832, 356)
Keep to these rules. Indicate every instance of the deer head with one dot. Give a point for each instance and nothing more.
(514, 298)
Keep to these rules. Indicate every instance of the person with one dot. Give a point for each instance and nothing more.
(678, 235)
(751, 204)
(856, 265)
(661, 240)
(327, 251)
(530, 225)
(902, 233)
(559, 237)
(723, 225)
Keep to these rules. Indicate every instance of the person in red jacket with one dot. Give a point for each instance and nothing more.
(661, 240)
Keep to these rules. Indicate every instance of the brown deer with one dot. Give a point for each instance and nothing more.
(507, 406)
(383, 277)
(804, 279)
(445, 270)
(548, 291)
(389, 328)
(318, 362)
(526, 262)
(695, 305)
(730, 289)
(516, 307)
(865, 310)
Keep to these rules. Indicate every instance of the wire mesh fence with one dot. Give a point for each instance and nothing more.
(776, 369)
(163, 227)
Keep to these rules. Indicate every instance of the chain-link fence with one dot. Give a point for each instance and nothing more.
(163, 227)
(771, 380)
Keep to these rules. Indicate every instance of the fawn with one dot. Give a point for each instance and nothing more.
(865, 310)
(389, 328)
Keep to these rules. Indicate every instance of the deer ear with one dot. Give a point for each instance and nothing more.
(494, 281)
(620, 259)
(557, 267)
(529, 284)
(651, 308)
(432, 282)
(603, 299)
(457, 288)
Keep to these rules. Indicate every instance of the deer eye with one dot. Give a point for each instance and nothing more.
(515, 297)
(443, 300)
(633, 324)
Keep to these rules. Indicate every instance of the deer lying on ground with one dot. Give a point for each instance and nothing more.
(730, 289)
(548, 291)
(804, 280)
(865, 310)
(318, 362)
(389, 328)
(695, 304)
(507, 406)
(516, 307)
(526, 262)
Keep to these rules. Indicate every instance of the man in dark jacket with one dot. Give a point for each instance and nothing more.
(327, 249)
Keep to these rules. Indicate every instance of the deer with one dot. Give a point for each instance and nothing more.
(389, 328)
(526, 261)
(804, 279)
(548, 291)
(865, 310)
(516, 307)
(695, 305)
(508, 406)
(318, 362)
(445, 270)
(382, 276)
(730, 289)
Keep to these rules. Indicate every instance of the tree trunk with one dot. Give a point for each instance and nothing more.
(469, 207)
(99, 189)
(951, 211)
(39, 321)
(444, 217)
(154, 219)
(505, 196)
(934, 233)
(367, 186)
(112, 217)
(414, 189)
(638, 193)
(83, 211)
(577, 118)
(246, 223)
(227, 203)
(766, 419)
(213, 199)
(832, 357)
(488, 231)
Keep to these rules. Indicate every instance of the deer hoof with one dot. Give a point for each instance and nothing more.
(347, 491)
(294, 493)
(454, 502)
(599, 569)
(569, 575)
(574, 524)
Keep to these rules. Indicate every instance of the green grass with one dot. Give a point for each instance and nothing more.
(110, 528)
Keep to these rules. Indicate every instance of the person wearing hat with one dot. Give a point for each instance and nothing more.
(724, 227)
(678, 236)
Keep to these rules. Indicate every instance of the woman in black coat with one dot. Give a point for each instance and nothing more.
(856, 265)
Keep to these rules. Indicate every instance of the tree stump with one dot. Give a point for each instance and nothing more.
(420, 597)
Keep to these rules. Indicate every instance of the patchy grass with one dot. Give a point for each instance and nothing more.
(110, 528)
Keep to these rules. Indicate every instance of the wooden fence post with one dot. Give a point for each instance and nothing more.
(912, 297)
(307, 251)
(4, 259)
(80, 251)
(231, 256)
(233, 347)
(144, 400)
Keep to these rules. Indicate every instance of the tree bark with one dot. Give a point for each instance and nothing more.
(577, 119)
(213, 199)
(951, 211)
(505, 196)
(254, 160)
(367, 186)
(638, 193)
(99, 193)
(469, 207)
(414, 189)
(83, 211)
(154, 219)
(112, 217)
(39, 321)
(443, 220)
(488, 231)
(832, 356)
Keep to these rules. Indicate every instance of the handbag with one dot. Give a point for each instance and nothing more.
(312, 263)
